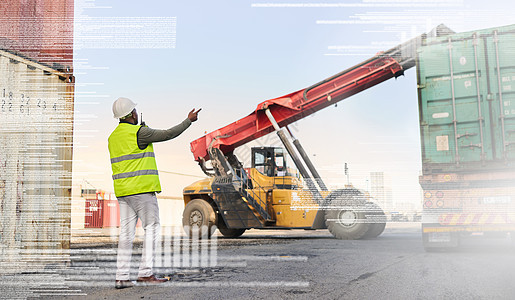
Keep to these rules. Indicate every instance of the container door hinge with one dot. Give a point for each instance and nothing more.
(466, 135)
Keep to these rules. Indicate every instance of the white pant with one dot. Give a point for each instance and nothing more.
(143, 206)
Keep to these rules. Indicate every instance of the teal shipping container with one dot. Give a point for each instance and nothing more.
(466, 91)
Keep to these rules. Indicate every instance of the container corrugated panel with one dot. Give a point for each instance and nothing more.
(41, 30)
(93, 215)
(36, 130)
(466, 88)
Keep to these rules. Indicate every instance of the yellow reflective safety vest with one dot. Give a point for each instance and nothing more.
(134, 170)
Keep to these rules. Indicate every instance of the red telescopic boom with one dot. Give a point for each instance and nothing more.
(302, 103)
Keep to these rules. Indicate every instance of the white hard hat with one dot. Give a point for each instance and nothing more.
(122, 107)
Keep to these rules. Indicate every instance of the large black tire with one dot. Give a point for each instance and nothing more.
(376, 216)
(345, 217)
(229, 232)
(199, 215)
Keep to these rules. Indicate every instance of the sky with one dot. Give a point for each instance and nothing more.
(227, 56)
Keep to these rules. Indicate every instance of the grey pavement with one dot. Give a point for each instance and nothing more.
(300, 264)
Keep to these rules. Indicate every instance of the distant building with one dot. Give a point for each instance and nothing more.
(380, 190)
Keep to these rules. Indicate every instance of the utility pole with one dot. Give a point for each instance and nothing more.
(346, 171)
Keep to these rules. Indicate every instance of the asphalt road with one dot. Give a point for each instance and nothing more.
(307, 265)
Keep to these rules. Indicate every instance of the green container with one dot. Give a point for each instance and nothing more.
(466, 92)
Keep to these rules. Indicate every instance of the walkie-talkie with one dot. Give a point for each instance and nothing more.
(142, 123)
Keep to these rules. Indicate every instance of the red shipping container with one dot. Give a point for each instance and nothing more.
(41, 30)
(102, 213)
(93, 217)
(110, 213)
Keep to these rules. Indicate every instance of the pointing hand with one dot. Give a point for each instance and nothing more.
(193, 115)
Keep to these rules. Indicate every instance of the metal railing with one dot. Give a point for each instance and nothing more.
(251, 193)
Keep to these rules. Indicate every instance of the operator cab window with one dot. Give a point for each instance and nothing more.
(280, 163)
(271, 161)
(259, 162)
(263, 161)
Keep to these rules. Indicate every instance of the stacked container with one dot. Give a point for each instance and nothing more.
(36, 130)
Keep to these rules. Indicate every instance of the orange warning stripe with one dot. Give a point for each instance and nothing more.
(473, 218)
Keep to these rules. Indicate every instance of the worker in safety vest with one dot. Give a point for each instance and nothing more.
(136, 182)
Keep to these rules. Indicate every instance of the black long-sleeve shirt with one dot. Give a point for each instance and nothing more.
(147, 135)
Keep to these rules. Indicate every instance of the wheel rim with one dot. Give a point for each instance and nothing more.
(196, 218)
(347, 218)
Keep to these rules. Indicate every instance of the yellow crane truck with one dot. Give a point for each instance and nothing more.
(271, 194)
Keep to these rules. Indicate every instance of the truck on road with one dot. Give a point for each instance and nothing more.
(466, 91)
